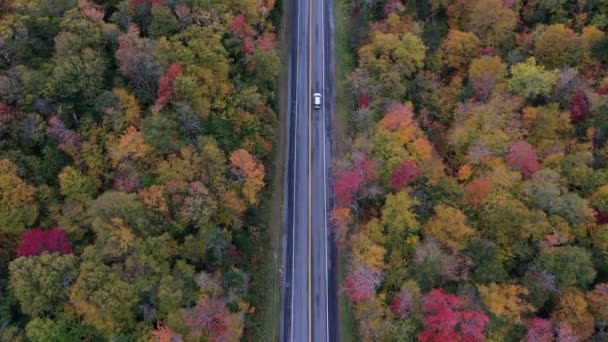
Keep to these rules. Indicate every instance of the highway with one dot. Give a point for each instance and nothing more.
(309, 295)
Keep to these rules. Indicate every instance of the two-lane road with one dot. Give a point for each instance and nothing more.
(309, 304)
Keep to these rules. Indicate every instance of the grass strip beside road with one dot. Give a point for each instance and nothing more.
(265, 322)
(345, 64)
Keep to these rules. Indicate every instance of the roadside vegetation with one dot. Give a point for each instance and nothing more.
(471, 193)
(135, 141)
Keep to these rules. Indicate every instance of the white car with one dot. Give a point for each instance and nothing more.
(316, 100)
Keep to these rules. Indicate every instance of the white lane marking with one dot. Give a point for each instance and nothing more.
(295, 172)
(326, 237)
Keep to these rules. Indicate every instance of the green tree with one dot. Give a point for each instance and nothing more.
(531, 80)
(265, 67)
(389, 61)
(103, 299)
(112, 204)
(62, 329)
(163, 23)
(18, 207)
(397, 217)
(557, 46)
(571, 265)
(74, 183)
(41, 283)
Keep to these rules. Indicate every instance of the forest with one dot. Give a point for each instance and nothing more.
(135, 141)
(471, 194)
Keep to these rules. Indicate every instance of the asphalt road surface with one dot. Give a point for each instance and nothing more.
(309, 301)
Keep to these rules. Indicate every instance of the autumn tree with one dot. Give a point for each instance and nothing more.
(18, 207)
(165, 334)
(447, 320)
(212, 320)
(540, 330)
(572, 311)
(406, 173)
(250, 171)
(485, 74)
(40, 283)
(37, 241)
(507, 301)
(407, 301)
(476, 191)
(136, 62)
(361, 283)
(579, 107)
(386, 64)
(165, 85)
(434, 266)
(598, 302)
(556, 46)
(459, 48)
(130, 150)
(69, 140)
(522, 157)
(490, 20)
(205, 65)
(449, 227)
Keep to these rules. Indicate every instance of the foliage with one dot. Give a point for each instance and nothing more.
(489, 160)
(572, 311)
(532, 80)
(37, 241)
(522, 158)
(18, 206)
(251, 171)
(557, 46)
(506, 301)
(40, 282)
(459, 48)
(144, 129)
(449, 227)
(447, 320)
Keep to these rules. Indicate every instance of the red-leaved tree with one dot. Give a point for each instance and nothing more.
(406, 173)
(266, 41)
(361, 283)
(346, 184)
(365, 166)
(164, 334)
(248, 46)
(209, 319)
(579, 107)
(445, 319)
(477, 190)
(398, 116)
(522, 157)
(91, 10)
(540, 330)
(37, 241)
(364, 101)
(165, 85)
(240, 27)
